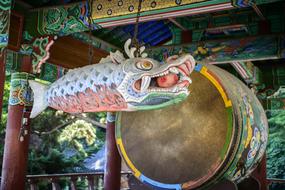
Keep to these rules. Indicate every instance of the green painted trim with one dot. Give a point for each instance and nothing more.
(5, 5)
(224, 51)
(229, 132)
(177, 100)
(177, 8)
(20, 91)
(259, 2)
(233, 165)
(118, 122)
(5, 13)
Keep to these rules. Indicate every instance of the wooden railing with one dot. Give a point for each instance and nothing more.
(93, 181)
(275, 180)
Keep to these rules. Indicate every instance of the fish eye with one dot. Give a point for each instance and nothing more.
(144, 65)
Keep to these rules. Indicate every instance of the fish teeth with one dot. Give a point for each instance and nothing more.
(161, 74)
(145, 83)
(174, 70)
(186, 78)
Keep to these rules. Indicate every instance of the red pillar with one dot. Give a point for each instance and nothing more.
(112, 179)
(186, 36)
(2, 80)
(15, 152)
(260, 174)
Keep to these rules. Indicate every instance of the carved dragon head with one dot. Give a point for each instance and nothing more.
(149, 84)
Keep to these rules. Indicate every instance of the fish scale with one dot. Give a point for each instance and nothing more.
(87, 77)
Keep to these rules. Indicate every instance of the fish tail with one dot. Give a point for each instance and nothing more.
(40, 102)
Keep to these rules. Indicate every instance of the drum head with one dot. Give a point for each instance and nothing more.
(179, 144)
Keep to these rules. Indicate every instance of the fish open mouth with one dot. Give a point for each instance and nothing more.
(173, 80)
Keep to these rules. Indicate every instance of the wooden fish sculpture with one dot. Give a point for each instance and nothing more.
(117, 84)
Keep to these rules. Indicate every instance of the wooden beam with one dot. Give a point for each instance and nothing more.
(105, 14)
(87, 38)
(258, 12)
(15, 31)
(263, 47)
(110, 13)
(177, 24)
(70, 53)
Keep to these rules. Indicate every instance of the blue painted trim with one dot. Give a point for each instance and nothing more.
(198, 67)
(158, 185)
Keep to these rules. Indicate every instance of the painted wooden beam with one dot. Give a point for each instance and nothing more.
(237, 22)
(177, 24)
(64, 20)
(248, 71)
(71, 18)
(15, 31)
(5, 12)
(95, 41)
(226, 51)
(71, 53)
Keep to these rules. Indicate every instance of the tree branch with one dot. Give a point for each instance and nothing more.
(53, 129)
(96, 123)
(78, 116)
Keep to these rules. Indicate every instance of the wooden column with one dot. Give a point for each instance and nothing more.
(186, 36)
(112, 178)
(16, 152)
(261, 175)
(257, 180)
(2, 80)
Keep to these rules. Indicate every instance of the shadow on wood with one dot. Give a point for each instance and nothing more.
(224, 185)
(249, 183)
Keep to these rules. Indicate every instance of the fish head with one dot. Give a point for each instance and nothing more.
(149, 84)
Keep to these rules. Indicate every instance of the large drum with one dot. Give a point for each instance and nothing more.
(218, 132)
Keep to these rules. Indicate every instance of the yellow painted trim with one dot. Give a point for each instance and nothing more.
(137, 173)
(227, 102)
(123, 10)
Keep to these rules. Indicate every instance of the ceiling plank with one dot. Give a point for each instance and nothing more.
(70, 53)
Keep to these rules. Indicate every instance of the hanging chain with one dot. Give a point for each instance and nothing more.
(90, 23)
(135, 39)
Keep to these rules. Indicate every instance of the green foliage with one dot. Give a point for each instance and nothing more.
(50, 118)
(61, 143)
(4, 116)
(52, 162)
(276, 145)
(77, 132)
(5, 104)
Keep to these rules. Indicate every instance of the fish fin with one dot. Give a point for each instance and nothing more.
(117, 57)
(40, 103)
(105, 59)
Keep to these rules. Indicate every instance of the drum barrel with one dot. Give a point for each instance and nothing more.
(218, 132)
